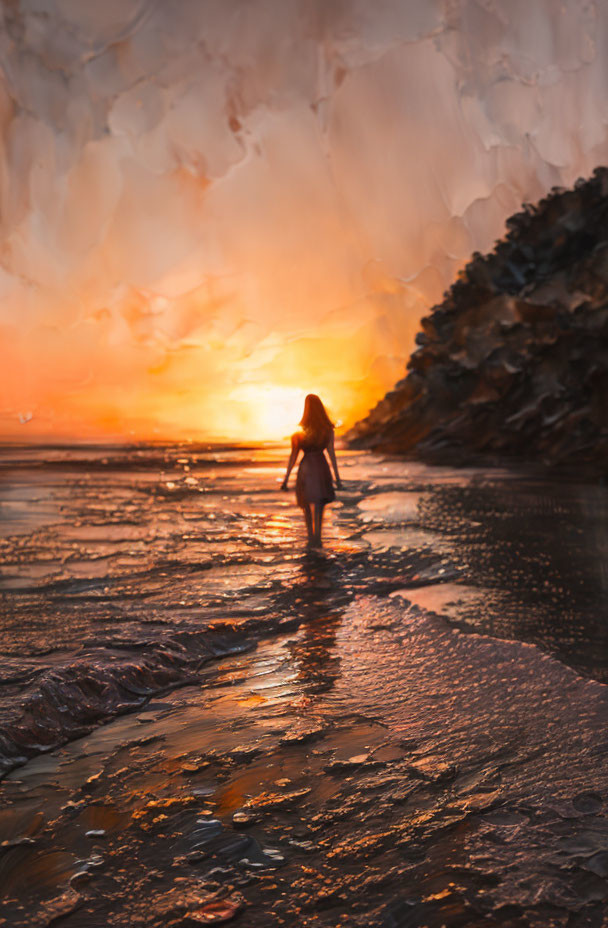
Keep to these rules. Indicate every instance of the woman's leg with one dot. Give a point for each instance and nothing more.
(308, 518)
(318, 523)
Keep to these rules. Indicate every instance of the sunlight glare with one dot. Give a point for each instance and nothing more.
(269, 412)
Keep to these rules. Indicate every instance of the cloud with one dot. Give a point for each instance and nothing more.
(228, 182)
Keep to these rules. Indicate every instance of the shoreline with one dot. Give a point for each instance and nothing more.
(283, 790)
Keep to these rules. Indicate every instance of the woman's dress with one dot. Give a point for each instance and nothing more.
(314, 483)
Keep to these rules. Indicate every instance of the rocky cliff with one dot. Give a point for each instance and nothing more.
(514, 362)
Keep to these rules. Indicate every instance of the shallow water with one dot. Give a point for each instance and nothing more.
(388, 769)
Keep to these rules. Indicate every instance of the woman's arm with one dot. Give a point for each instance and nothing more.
(332, 457)
(295, 450)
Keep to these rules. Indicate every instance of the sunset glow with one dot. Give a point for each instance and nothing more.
(194, 217)
(269, 412)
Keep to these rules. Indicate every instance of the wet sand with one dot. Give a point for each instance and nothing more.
(406, 729)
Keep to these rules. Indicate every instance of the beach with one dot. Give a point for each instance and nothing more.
(203, 722)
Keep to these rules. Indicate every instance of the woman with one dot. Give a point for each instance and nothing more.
(314, 488)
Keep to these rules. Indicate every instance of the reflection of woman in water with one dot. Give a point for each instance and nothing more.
(313, 484)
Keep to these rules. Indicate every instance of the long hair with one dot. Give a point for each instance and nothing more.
(315, 422)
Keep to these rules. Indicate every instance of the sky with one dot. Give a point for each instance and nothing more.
(209, 208)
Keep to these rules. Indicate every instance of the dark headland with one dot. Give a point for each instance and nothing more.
(513, 364)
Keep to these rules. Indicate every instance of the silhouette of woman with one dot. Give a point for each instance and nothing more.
(314, 488)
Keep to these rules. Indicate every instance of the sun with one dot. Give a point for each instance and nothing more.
(268, 412)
